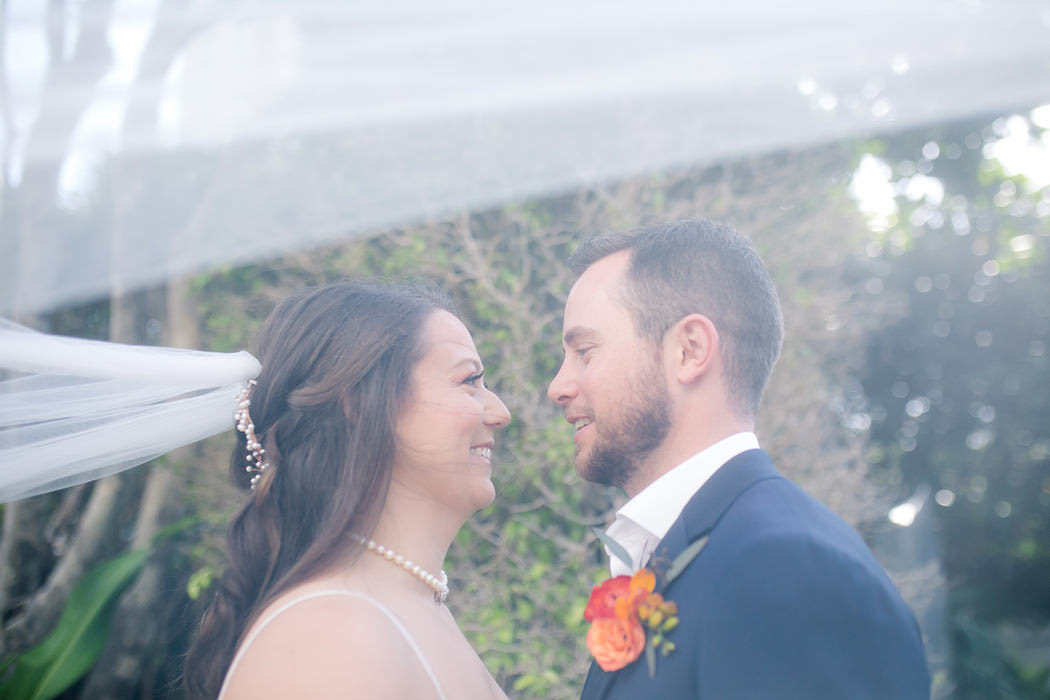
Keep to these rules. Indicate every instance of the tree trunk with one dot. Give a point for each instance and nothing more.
(129, 661)
(25, 556)
(96, 539)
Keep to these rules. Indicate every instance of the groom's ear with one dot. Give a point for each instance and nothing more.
(693, 346)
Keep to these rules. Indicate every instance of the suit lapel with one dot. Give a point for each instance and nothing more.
(597, 683)
(706, 507)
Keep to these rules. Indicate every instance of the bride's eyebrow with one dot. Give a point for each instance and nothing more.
(470, 362)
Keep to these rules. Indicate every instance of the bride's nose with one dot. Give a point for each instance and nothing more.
(496, 414)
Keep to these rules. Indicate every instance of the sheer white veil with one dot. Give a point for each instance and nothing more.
(74, 410)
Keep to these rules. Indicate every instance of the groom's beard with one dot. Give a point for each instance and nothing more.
(623, 441)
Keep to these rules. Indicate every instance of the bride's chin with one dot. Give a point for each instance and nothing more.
(483, 495)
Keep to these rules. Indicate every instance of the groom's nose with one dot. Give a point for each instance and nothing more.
(562, 388)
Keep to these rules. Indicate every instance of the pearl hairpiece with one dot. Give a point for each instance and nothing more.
(256, 457)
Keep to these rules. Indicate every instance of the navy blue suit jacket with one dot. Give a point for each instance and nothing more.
(785, 601)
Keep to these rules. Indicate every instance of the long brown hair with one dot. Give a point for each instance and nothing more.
(336, 364)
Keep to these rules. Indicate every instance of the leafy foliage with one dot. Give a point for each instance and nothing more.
(46, 670)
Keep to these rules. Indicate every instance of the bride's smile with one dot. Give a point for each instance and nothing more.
(447, 423)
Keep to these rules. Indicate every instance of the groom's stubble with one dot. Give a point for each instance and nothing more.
(624, 440)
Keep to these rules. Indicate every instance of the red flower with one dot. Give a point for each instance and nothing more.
(602, 603)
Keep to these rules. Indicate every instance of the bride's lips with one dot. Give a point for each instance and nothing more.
(483, 450)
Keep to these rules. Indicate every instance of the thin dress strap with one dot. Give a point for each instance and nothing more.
(318, 594)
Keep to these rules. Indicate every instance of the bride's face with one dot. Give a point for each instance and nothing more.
(446, 429)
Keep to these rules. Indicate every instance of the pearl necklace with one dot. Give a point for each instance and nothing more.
(438, 584)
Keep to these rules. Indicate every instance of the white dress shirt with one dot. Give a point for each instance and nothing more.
(644, 520)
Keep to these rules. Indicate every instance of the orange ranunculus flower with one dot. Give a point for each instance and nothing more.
(615, 642)
(602, 603)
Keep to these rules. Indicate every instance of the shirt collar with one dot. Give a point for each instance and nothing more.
(655, 508)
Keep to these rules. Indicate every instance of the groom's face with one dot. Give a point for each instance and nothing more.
(611, 382)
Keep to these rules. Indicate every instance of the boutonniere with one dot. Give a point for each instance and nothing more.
(628, 616)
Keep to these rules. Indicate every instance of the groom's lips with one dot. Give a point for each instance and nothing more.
(576, 432)
(576, 435)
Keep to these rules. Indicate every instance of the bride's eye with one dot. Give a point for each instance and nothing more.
(474, 379)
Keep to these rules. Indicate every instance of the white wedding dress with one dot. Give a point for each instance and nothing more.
(261, 625)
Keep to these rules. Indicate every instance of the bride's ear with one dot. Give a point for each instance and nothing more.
(693, 346)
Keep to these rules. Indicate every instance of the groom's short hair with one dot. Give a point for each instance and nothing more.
(697, 266)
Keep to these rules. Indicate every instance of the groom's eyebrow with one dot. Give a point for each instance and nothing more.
(578, 334)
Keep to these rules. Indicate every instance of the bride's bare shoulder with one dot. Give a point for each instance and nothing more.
(324, 645)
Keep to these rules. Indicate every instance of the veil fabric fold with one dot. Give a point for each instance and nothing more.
(74, 410)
